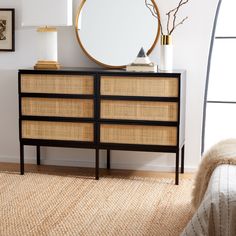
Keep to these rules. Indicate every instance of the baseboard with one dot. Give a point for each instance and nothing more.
(114, 165)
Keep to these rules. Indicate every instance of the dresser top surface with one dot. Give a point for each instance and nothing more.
(65, 70)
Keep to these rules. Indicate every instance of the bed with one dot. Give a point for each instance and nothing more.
(214, 194)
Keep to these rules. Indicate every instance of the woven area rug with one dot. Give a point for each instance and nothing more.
(40, 204)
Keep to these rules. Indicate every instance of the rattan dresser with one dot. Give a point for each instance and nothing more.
(102, 109)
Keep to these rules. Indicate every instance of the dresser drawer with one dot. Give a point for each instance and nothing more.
(70, 131)
(57, 107)
(57, 84)
(139, 86)
(139, 110)
(138, 134)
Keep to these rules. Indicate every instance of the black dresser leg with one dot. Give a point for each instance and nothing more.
(177, 168)
(182, 160)
(108, 159)
(21, 159)
(38, 155)
(97, 165)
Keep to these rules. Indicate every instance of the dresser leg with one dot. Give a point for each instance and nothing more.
(38, 155)
(182, 160)
(108, 159)
(177, 168)
(97, 165)
(21, 159)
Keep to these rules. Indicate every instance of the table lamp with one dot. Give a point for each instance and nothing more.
(46, 15)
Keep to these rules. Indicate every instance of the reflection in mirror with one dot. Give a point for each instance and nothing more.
(111, 32)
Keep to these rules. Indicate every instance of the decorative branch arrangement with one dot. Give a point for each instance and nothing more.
(171, 24)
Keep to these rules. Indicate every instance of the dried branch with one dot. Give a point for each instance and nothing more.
(180, 23)
(168, 22)
(154, 12)
(175, 10)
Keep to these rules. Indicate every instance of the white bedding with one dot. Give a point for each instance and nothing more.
(216, 214)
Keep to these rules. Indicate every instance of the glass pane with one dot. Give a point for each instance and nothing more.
(220, 123)
(222, 81)
(221, 118)
(226, 19)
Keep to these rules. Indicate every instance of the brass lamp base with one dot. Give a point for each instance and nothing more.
(47, 65)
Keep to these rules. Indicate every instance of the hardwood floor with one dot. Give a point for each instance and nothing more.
(87, 172)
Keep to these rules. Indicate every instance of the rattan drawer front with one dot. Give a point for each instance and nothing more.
(139, 86)
(57, 130)
(57, 107)
(139, 110)
(138, 134)
(60, 84)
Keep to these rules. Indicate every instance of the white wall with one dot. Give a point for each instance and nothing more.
(191, 42)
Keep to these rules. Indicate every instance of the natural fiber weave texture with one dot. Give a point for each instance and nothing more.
(139, 86)
(39, 204)
(61, 84)
(73, 131)
(139, 110)
(139, 134)
(57, 107)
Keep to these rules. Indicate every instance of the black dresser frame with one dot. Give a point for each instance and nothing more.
(97, 97)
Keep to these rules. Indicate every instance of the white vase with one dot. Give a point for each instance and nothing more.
(166, 53)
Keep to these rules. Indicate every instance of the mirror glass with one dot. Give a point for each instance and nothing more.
(111, 32)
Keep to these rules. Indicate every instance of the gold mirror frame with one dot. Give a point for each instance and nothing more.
(94, 59)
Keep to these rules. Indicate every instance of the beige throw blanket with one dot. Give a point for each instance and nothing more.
(223, 152)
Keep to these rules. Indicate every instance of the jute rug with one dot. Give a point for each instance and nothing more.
(40, 204)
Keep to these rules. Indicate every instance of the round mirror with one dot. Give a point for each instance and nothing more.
(111, 32)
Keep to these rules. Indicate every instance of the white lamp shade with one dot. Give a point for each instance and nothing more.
(46, 12)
